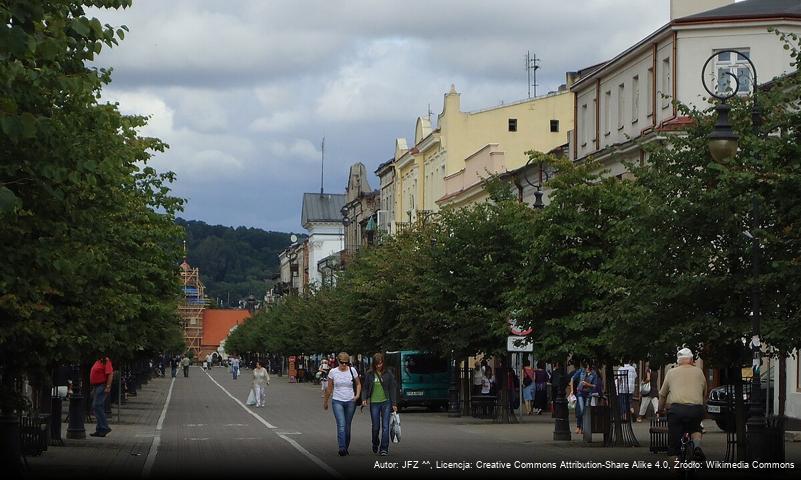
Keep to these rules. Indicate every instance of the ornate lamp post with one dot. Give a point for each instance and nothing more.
(561, 428)
(723, 144)
(545, 173)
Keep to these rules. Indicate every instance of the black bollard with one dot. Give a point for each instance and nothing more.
(56, 405)
(76, 429)
(11, 453)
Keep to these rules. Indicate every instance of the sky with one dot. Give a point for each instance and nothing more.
(243, 91)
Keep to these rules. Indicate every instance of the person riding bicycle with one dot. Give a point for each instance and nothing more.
(683, 395)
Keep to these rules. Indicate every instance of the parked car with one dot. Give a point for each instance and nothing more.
(722, 413)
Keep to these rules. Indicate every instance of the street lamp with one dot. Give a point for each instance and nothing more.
(723, 144)
(545, 174)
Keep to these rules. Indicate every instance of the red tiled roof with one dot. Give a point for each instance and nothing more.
(217, 324)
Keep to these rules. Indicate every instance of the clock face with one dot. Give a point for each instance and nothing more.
(293, 238)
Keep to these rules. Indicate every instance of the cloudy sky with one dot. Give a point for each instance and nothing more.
(244, 90)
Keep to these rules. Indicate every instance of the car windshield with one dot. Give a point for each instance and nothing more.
(423, 363)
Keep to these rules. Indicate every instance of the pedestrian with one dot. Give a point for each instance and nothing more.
(513, 387)
(235, 366)
(541, 379)
(626, 382)
(100, 378)
(185, 362)
(581, 392)
(344, 389)
(650, 393)
(325, 367)
(380, 394)
(527, 374)
(261, 378)
(487, 382)
(174, 361)
(208, 362)
(478, 377)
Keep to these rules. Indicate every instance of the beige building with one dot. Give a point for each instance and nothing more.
(447, 164)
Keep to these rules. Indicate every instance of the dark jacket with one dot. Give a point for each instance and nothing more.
(387, 381)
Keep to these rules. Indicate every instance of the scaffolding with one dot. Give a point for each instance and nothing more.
(192, 307)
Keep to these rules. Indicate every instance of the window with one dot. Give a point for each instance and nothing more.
(650, 99)
(554, 126)
(729, 65)
(621, 105)
(635, 99)
(512, 124)
(607, 111)
(583, 125)
(666, 85)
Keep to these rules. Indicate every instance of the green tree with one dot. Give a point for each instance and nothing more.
(88, 241)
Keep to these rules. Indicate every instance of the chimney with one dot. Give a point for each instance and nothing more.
(684, 8)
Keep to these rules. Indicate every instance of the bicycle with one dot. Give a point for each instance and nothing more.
(690, 459)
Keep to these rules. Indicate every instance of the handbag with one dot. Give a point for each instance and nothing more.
(395, 428)
(571, 402)
(645, 388)
(353, 380)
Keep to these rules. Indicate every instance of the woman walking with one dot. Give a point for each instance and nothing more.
(261, 378)
(380, 394)
(528, 386)
(343, 390)
(540, 388)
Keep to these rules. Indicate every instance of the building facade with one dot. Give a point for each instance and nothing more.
(322, 218)
(447, 164)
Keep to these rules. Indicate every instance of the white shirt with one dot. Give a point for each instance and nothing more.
(235, 362)
(630, 385)
(343, 383)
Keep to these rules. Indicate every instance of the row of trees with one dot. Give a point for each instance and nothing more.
(88, 240)
(609, 270)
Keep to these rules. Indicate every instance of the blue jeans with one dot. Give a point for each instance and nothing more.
(173, 371)
(235, 371)
(343, 412)
(99, 406)
(380, 414)
(581, 403)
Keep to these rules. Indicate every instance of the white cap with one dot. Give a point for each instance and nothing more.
(684, 353)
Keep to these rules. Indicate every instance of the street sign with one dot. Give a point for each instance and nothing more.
(515, 329)
(512, 344)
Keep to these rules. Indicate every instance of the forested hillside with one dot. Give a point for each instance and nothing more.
(233, 262)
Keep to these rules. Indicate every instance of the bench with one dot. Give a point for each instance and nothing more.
(483, 406)
(658, 432)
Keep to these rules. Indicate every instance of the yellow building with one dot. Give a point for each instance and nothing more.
(447, 164)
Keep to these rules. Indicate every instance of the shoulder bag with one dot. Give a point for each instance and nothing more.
(353, 380)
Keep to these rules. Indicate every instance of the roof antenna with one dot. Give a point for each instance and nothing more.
(322, 164)
(531, 70)
(429, 113)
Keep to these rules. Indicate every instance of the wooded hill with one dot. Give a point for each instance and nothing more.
(233, 262)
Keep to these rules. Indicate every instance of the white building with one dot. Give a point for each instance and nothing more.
(627, 101)
(322, 217)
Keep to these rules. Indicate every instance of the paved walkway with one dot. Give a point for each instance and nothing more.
(205, 431)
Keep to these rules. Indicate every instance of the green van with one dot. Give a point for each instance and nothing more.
(423, 378)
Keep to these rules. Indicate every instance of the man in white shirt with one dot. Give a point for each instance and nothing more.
(626, 387)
